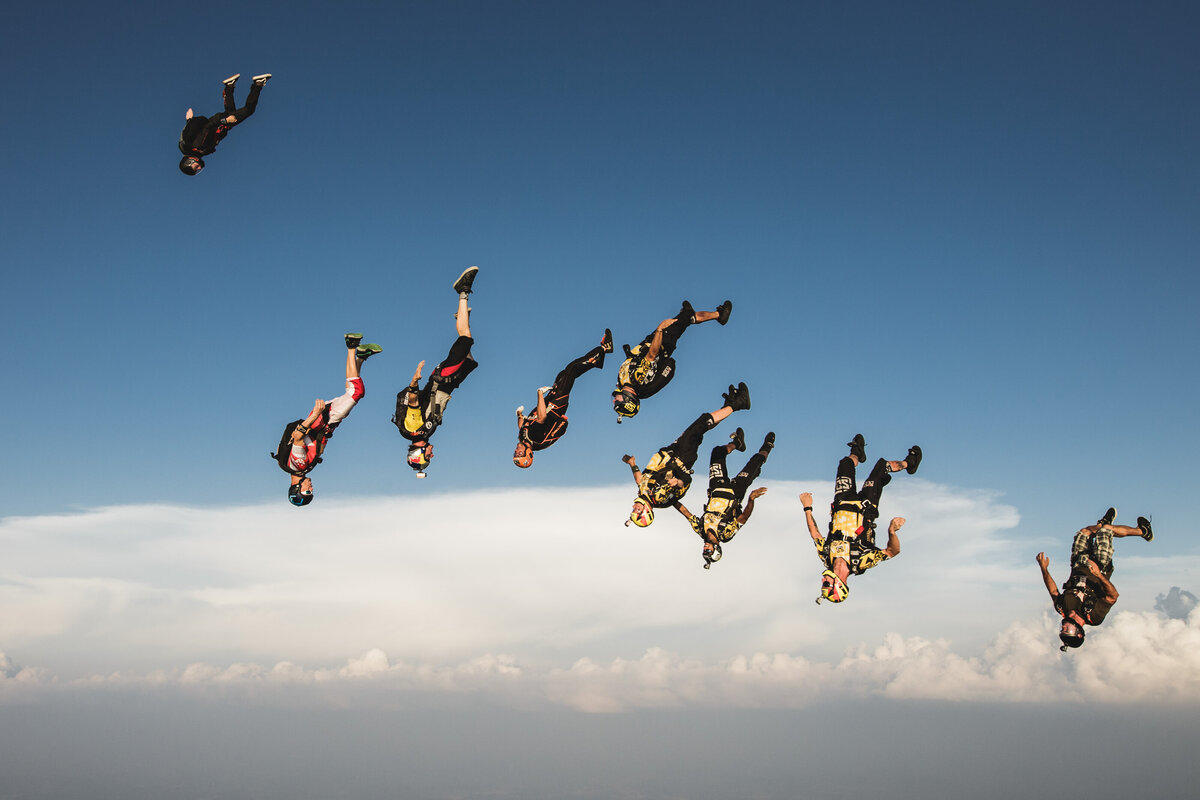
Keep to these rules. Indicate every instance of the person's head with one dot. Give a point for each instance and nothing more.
(190, 165)
(626, 402)
(419, 456)
(833, 588)
(301, 493)
(711, 553)
(1070, 633)
(643, 513)
(523, 455)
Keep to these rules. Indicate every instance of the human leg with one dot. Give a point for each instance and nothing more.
(565, 380)
(872, 488)
(251, 101)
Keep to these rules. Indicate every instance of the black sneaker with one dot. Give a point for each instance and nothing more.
(1108, 517)
(739, 440)
(768, 443)
(723, 311)
(913, 459)
(858, 448)
(606, 342)
(1147, 531)
(353, 339)
(737, 399)
(628, 351)
(463, 284)
(687, 312)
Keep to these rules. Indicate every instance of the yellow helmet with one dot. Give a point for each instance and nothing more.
(644, 515)
(833, 588)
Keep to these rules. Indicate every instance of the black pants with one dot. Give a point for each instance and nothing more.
(670, 334)
(718, 477)
(560, 392)
(456, 366)
(244, 111)
(687, 447)
(846, 489)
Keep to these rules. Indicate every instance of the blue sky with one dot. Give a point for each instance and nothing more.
(967, 226)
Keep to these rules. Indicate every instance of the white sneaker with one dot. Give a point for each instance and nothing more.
(232, 79)
(261, 79)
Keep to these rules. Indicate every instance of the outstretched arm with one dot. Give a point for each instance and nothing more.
(893, 545)
(682, 509)
(632, 462)
(1110, 591)
(1051, 586)
(813, 531)
(745, 515)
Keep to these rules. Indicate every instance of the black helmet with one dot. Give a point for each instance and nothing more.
(190, 165)
(297, 497)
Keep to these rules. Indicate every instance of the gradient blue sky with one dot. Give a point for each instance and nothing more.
(966, 227)
(969, 226)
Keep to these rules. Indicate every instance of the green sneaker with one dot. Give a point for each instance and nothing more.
(365, 351)
(353, 339)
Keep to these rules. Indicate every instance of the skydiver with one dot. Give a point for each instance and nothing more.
(303, 442)
(201, 135)
(419, 413)
(548, 422)
(723, 514)
(669, 473)
(1088, 594)
(648, 366)
(850, 549)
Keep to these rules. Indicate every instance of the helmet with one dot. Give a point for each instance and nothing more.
(833, 588)
(626, 403)
(297, 497)
(643, 516)
(711, 553)
(523, 455)
(190, 165)
(419, 456)
(1071, 634)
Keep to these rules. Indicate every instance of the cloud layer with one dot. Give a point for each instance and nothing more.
(544, 597)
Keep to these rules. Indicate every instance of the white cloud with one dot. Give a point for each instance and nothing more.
(433, 591)
(1135, 657)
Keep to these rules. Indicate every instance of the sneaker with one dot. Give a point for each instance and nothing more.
(353, 339)
(520, 412)
(606, 341)
(738, 399)
(913, 459)
(1108, 517)
(768, 443)
(687, 312)
(262, 79)
(463, 284)
(739, 440)
(1147, 531)
(365, 351)
(545, 390)
(231, 81)
(858, 448)
(628, 350)
(723, 311)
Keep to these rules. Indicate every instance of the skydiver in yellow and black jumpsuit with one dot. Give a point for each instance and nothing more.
(648, 366)
(669, 473)
(850, 549)
(723, 516)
